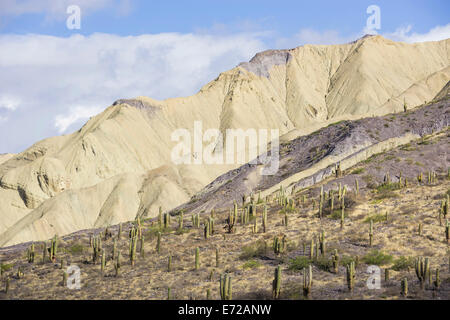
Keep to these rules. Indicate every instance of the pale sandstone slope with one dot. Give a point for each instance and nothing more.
(118, 165)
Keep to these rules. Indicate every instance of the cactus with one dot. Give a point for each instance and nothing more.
(197, 258)
(158, 243)
(119, 233)
(180, 222)
(206, 231)
(103, 261)
(279, 244)
(447, 232)
(31, 254)
(335, 261)
(142, 249)
(44, 252)
(117, 264)
(342, 212)
(114, 249)
(276, 284)
(264, 219)
(356, 186)
(311, 249)
(160, 218)
(419, 229)
(255, 226)
(64, 281)
(208, 294)
(404, 286)
(225, 287)
(322, 243)
(351, 276)
(169, 293)
(286, 220)
(132, 253)
(217, 258)
(437, 281)
(337, 170)
(422, 266)
(169, 263)
(405, 106)
(307, 282)
(7, 285)
(387, 273)
(371, 233)
(53, 249)
(20, 273)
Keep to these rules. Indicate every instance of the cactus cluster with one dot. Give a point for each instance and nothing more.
(307, 282)
(351, 276)
(276, 283)
(31, 254)
(225, 287)
(422, 267)
(279, 244)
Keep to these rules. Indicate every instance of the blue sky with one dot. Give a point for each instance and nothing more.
(52, 79)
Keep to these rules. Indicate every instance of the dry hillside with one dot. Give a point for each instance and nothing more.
(118, 165)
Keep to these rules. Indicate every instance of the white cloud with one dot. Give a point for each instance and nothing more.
(9, 103)
(57, 9)
(54, 75)
(404, 34)
(64, 121)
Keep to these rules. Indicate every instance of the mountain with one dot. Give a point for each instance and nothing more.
(119, 164)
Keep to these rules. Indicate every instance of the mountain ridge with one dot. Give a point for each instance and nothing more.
(315, 86)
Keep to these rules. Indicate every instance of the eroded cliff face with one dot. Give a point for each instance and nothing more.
(119, 163)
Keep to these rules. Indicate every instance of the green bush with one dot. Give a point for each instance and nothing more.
(358, 171)
(375, 218)
(253, 250)
(299, 263)
(378, 258)
(403, 263)
(323, 263)
(252, 264)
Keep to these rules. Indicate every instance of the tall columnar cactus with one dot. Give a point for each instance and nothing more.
(225, 287)
(311, 249)
(119, 233)
(437, 280)
(160, 218)
(276, 283)
(335, 261)
(356, 186)
(447, 231)
(279, 244)
(286, 220)
(158, 243)
(114, 251)
(422, 266)
(264, 219)
(180, 222)
(322, 243)
(54, 249)
(351, 276)
(420, 229)
(169, 263)
(133, 242)
(206, 230)
(217, 258)
(117, 264)
(103, 260)
(404, 286)
(371, 233)
(307, 281)
(44, 252)
(197, 258)
(387, 273)
(31, 254)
